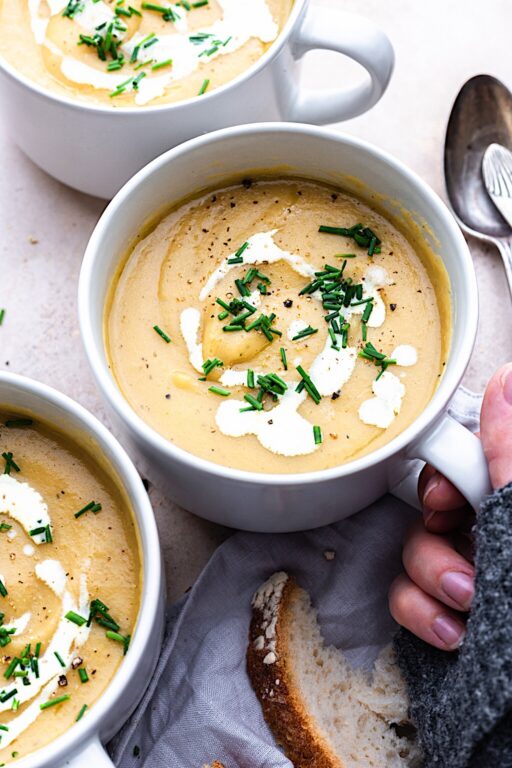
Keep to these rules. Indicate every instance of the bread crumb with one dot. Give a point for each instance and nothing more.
(259, 643)
(33, 240)
(329, 554)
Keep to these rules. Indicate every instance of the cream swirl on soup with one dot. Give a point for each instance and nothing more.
(286, 432)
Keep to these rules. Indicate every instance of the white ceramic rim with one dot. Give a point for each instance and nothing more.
(457, 359)
(262, 62)
(102, 710)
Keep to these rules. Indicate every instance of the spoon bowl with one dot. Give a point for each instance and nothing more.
(481, 115)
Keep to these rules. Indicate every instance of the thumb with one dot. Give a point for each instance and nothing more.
(496, 426)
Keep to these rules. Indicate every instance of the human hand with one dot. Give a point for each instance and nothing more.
(433, 596)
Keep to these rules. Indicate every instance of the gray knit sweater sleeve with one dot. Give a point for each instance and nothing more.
(462, 702)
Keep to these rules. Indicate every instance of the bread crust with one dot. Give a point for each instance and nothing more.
(280, 699)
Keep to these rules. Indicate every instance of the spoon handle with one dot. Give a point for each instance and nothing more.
(505, 249)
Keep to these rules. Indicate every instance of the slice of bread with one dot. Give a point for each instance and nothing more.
(324, 713)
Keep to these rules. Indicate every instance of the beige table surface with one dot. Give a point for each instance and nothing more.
(44, 226)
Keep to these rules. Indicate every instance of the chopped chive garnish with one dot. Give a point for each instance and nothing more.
(235, 260)
(53, 702)
(3, 589)
(162, 64)
(37, 531)
(5, 527)
(8, 695)
(76, 618)
(92, 506)
(48, 534)
(203, 88)
(72, 8)
(368, 352)
(367, 312)
(283, 358)
(308, 385)
(12, 423)
(222, 315)
(12, 666)
(99, 612)
(114, 66)
(9, 463)
(37, 650)
(334, 344)
(162, 334)
(167, 13)
(120, 639)
(363, 236)
(2, 315)
(242, 288)
(59, 658)
(309, 331)
(317, 434)
(249, 276)
(242, 248)
(219, 391)
(209, 365)
(4, 727)
(82, 673)
(81, 713)
(210, 51)
(254, 402)
(250, 379)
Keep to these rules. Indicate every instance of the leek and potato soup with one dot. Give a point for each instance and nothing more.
(131, 53)
(70, 579)
(278, 326)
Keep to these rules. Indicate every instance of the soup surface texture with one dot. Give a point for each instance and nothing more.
(246, 336)
(70, 572)
(132, 54)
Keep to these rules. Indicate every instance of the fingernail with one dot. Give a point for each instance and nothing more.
(450, 632)
(458, 587)
(506, 383)
(431, 486)
(428, 515)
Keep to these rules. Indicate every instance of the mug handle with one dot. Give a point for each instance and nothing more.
(93, 753)
(352, 36)
(457, 453)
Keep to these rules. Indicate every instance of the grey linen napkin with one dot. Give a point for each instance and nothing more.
(200, 706)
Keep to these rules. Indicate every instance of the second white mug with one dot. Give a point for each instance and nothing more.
(96, 149)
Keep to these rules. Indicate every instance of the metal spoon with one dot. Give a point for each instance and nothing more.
(481, 115)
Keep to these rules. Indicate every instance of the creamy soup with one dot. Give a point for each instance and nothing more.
(70, 578)
(278, 326)
(125, 53)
